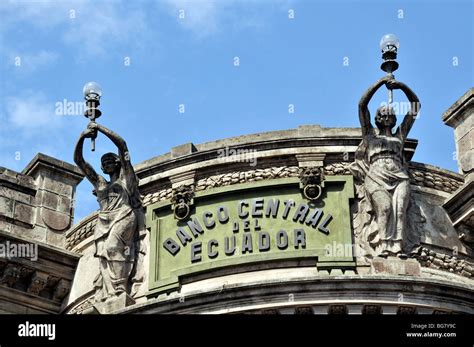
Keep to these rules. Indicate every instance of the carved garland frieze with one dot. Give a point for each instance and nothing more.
(417, 177)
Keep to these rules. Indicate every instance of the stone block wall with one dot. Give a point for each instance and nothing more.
(37, 203)
(17, 197)
(460, 206)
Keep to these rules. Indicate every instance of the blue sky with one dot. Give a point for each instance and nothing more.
(150, 60)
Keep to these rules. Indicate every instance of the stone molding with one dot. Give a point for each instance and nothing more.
(40, 284)
(421, 175)
(81, 231)
(386, 294)
(436, 260)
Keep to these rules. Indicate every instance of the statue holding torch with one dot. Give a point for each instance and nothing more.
(388, 220)
(120, 221)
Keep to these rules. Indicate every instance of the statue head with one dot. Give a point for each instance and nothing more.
(110, 163)
(385, 117)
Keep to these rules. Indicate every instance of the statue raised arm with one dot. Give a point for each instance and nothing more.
(382, 175)
(364, 114)
(87, 168)
(120, 220)
(415, 105)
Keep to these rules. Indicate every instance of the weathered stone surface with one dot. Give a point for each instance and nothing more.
(16, 195)
(9, 178)
(64, 205)
(24, 213)
(181, 150)
(56, 238)
(5, 226)
(48, 199)
(396, 266)
(38, 233)
(36, 283)
(6, 207)
(449, 181)
(52, 185)
(446, 262)
(62, 289)
(438, 229)
(55, 182)
(429, 176)
(113, 305)
(55, 220)
(460, 206)
(460, 117)
(37, 202)
(81, 231)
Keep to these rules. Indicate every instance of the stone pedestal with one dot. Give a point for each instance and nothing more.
(111, 305)
(396, 266)
(311, 159)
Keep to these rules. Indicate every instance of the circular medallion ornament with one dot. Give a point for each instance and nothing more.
(312, 191)
(181, 211)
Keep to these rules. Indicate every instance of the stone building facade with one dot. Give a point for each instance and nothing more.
(202, 274)
(36, 210)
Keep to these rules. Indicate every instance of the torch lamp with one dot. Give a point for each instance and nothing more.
(389, 45)
(92, 93)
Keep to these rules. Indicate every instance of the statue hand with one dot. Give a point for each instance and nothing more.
(92, 126)
(388, 78)
(89, 133)
(393, 84)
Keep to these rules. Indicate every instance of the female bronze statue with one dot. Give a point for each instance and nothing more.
(380, 167)
(120, 214)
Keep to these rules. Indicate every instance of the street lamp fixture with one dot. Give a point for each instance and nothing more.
(389, 45)
(92, 93)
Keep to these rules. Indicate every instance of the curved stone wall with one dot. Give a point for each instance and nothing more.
(282, 154)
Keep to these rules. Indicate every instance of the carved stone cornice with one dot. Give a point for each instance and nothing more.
(445, 262)
(310, 159)
(38, 282)
(26, 281)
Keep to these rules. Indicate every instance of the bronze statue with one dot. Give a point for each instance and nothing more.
(120, 218)
(382, 176)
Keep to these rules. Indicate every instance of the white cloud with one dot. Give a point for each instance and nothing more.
(31, 62)
(28, 125)
(109, 26)
(206, 17)
(44, 14)
(95, 28)
(92, 27)
(30, 111)
(201, 17)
